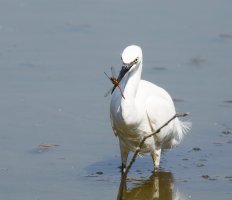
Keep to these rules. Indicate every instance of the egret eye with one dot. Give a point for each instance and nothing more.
(136, 60)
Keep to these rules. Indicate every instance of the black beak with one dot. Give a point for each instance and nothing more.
(124, 70)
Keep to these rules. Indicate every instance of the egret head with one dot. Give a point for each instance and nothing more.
(131, 58)
(131, 55)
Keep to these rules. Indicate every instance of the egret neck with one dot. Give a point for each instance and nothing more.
(130, 112)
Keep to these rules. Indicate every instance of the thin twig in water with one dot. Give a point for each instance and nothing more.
(138, 149)
(150, 135)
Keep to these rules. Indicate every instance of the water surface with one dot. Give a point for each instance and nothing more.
(52, 58)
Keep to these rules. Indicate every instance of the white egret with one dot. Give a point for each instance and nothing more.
(144, 109)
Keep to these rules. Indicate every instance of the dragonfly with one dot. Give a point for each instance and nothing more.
(115, 82)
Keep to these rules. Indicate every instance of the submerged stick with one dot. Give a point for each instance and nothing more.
(150, 135)
(138, 149)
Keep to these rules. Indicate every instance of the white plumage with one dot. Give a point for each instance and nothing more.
(145, 108)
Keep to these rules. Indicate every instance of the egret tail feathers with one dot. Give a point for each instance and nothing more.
(182, 127)
(185, 126)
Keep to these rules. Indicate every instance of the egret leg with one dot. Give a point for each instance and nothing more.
(156, 158)
(124, 154)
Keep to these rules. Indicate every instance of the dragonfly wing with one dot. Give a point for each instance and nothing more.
(112, 77)
(108, 92)
(113, 72)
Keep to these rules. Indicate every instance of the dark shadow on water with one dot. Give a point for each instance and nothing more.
(141, 184)
(159, 186)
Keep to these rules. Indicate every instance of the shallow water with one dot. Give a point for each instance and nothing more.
(55, 136)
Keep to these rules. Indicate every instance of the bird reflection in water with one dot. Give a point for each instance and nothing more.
(160, 186)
